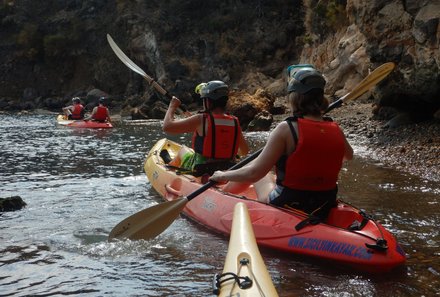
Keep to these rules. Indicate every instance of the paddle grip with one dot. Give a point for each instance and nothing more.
(167, 95)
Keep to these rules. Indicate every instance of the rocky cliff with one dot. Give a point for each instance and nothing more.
(53, 50)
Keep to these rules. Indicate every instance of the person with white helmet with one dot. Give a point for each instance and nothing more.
(74, 111)
(307, 150)
(217, 136)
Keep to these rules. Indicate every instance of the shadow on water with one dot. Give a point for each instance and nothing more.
(79, 184)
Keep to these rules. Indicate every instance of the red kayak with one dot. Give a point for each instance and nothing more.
(348, 236)
(62, 120)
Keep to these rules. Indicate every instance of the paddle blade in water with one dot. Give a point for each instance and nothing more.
(150, 222)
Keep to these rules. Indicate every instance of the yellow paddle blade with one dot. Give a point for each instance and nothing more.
(370, 81)
(150, 222)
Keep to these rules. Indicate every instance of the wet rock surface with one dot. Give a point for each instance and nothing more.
(11, 203)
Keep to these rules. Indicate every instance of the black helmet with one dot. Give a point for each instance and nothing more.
(76, 100)
(102, 100)
(303, 78)
(214, 90)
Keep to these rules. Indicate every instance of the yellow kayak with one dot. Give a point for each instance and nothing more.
(244, 273)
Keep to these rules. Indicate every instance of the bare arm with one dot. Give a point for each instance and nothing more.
(258, 168)
(348, 150)
(243, 147)
(93, 113)
(70, 107)
(108, 116)
(178, 126)
(348, 154)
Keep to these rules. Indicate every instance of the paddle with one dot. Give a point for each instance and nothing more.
(365, 85)
(152, 221)
(130, 64)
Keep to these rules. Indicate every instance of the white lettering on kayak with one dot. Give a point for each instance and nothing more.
(209, 204)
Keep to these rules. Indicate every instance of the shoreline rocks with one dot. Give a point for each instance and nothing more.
(11, 203)
(412, 148)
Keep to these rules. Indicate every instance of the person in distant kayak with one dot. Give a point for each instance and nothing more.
(217, 136)
(74, 111)
(307, 150)
(100, 113)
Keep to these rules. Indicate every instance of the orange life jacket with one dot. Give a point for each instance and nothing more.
(317, 159)
(220, 137)
(77, 112)
(101, 114)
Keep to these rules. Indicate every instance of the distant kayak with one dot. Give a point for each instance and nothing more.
(62, 120)
(244, 273)
(348, 236)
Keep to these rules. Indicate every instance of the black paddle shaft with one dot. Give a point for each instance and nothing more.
(248, 159)
(211, 183)
(336, 104)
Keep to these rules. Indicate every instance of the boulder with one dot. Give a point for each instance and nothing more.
(246, 106)
(261, 122)
(11, 203)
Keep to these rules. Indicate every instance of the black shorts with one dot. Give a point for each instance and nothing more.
(317, 203)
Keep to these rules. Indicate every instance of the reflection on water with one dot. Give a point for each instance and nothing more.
(79, 183)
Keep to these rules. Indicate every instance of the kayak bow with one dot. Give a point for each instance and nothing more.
(244, 273)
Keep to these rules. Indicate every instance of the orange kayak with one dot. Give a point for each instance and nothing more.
(62, 120)
(348, 236)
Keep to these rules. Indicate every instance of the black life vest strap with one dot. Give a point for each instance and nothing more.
(211, 117)
(289, 121)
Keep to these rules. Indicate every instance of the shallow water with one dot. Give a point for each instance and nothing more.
(78, 184)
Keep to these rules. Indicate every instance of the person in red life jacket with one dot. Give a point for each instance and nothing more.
(74, 111)
(100, 113)
(307, 150)
(217, 136)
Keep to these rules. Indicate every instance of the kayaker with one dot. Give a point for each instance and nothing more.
(307, 150)
(100, 113)
(74, 111)
(217, 136)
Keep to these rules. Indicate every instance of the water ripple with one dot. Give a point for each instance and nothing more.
(78, 184)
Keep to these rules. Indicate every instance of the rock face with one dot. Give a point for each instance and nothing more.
(51, 51)
(404, 32)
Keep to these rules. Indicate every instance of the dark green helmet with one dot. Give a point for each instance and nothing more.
(214, 90)
(303, 78)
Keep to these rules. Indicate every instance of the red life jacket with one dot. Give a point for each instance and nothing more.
(101, 114)
(220, 137)
(77, 112)
(317, 159)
